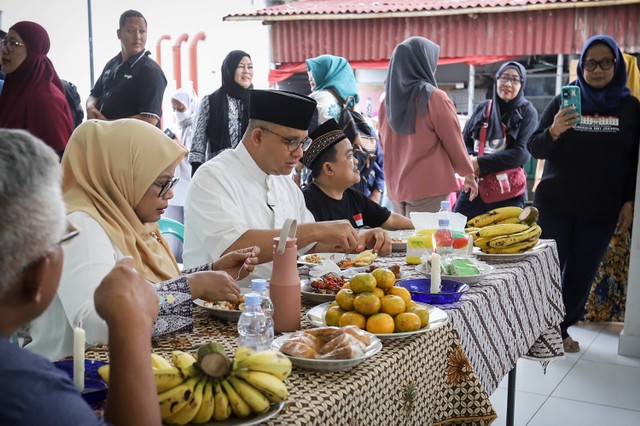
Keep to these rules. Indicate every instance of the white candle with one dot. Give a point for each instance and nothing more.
(78, 357)
(435, 272)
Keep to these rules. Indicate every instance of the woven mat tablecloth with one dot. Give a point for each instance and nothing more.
(424, 379)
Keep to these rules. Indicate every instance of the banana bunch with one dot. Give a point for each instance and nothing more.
(505, 230)
(212, 388)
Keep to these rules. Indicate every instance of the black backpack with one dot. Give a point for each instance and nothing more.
(73, 99)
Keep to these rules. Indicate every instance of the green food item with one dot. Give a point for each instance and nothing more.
(463, 267)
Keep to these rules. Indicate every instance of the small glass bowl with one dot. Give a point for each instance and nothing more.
(420, 289)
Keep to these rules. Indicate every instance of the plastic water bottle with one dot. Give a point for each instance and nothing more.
(443, 238)
(259, 285)
(252, 325)
(445, 206)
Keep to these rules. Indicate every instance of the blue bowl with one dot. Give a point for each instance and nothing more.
(95, 389)
(420, 289)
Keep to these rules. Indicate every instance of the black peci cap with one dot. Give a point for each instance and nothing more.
(282, 107)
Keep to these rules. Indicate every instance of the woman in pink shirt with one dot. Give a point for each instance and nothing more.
(420, 133)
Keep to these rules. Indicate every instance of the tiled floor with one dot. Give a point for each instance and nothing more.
(591, 387)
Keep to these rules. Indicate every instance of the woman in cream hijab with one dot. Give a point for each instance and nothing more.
(117, 183)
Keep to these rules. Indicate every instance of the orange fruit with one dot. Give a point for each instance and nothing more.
(345, 298)
(367, 304)
(422, 313)
(362, 283)
(332, 317)
(378, 292)
(346, 285)
(353, 318)
(384, 278)
(380, 324)
(402, 292)
(406, 321)
(392, 305)
(332, 304)
(410, 306)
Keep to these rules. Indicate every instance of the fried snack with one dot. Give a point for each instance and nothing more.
(344, 352)
(341, 341)
(298, 349)
(356, 332)
(365, 258)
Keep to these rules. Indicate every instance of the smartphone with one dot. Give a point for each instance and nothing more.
(570, 95)
(169, 133)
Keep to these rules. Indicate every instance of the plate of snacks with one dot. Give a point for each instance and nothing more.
(322, 289)
(223, 310)
(328, 348)
(468, 270)
(435, 318)
(314, 259)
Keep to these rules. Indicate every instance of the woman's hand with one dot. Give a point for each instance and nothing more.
(213, 286)
(232, 262)
(470, 184)
(564, 120)
(625, 217)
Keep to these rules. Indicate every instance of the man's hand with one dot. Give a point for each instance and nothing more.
(214, 286)
(336, 235)
(92, 109)
(238, 263)
(470, 184)
(125, 296)
(376, 239)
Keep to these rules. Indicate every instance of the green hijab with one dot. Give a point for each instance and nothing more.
(334, 73)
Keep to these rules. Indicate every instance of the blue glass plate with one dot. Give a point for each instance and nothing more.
(95, 389)
(420, 289)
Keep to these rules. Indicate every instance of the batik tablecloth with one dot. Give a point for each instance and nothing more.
(423, 379)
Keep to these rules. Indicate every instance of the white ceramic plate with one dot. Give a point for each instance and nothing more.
(437, 318)
(485, 269)
(336, 257)
(221, 314)
(486, 256)
(257, 419)
(329, 364)
(310, 294)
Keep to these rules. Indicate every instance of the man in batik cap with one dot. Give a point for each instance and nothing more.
(334, 170)
(243, 196)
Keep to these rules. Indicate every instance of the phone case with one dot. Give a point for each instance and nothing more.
(570, 95)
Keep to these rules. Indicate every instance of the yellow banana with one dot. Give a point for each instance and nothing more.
(501, 229)
(509, 220)
(205, 413)
(158, 361)
(182, 359)
(274, 389)
(165, 378)
(494, 216)
(172, 400)
(241, 353)
(471, 230)
(221, 409)
(512, 249)
(189, 411)
(252, 396)
(269, 361)
(481, 242)
(531, 233)
(239, 406)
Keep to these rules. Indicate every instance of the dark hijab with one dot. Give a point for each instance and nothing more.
(218, 125)
(502, 112)
(410, 82)
(610, 96)
(33, 96)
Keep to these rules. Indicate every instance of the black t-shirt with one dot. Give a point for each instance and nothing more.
(354, 206)
(135, 86)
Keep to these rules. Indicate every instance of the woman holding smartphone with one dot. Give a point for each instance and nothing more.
(587, 188)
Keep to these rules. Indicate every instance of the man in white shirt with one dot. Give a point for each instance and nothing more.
(242, 197)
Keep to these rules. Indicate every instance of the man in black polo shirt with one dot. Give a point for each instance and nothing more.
(334, 170)
(131, 84)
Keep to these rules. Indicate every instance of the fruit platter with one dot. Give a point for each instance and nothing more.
(372, 302)
(212, 389)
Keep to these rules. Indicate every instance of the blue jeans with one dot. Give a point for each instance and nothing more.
(582, 242)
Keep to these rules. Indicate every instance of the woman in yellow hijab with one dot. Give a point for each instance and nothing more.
(117, 180)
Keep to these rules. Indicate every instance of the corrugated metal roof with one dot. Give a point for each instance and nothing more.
(513, 34)
(339, 7)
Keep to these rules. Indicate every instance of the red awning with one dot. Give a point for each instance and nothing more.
(287, 70)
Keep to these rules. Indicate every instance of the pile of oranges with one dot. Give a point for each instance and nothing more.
(372, 302)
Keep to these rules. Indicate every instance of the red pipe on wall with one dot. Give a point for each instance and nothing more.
(193, 58)
(159, 50)
(177, 61)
